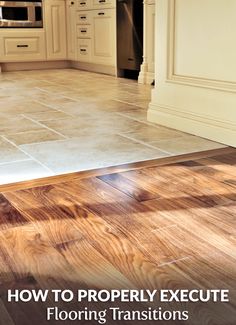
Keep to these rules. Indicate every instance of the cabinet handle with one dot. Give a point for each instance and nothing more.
(82, 3)
(72, 3)
(83, 50)
(101, 13)
(102, 1)
(82, 17)
(83, 31)
(22, 45)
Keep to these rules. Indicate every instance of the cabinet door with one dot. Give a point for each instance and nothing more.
(104, 37)
(71, 29)
(55, 24)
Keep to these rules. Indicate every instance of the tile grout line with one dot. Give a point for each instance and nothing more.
(15, 161)
(156, 126)
(26, 153)
(55, 109)
(131, 104)
(43, 126)
(144, 143)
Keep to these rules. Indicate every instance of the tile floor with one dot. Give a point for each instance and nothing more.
(60, 121)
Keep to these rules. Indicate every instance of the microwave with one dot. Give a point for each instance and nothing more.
(25, 14)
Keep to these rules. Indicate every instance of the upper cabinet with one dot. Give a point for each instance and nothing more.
(55, 26)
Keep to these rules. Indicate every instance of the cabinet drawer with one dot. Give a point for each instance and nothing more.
(84, 31)
(84, 4)
(84, 50)
(21, 46)
(103, 4)
(28, 47)
(84, 18)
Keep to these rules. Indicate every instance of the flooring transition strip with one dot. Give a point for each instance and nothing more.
(113, 169)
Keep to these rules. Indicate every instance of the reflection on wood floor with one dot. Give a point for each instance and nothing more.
(170, 226)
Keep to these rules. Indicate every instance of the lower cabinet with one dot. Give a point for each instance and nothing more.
(104, 37)
(37, 44)
(22, 45)
(73, 30)
(55, 25)
(96, 33)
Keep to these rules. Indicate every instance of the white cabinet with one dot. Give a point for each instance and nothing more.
(96, 32)
(22, 45)
(104, 40)
(71, 29)
(55, 25)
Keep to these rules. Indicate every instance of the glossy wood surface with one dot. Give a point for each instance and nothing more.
(166, 226)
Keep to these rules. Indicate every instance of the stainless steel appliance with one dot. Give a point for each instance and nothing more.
(129, 34)
(21, 14)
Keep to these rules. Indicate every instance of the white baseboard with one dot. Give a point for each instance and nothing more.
(200, 125)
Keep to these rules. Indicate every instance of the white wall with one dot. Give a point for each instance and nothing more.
(196, 68)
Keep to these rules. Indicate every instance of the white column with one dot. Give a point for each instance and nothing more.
(144, 66)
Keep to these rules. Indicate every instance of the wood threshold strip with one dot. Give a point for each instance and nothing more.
(113, 169)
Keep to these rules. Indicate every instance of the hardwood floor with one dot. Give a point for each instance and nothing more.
(169, 225)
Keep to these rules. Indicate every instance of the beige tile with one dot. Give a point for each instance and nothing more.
(98, 124)
(117, 106)
(149, 134)
(90, 109)
(22, 171)
(12, 108)
(140, 115)
(90, 152)
(42, 135)
(17, 124)
(9, 152)
(186, 144)
(47, 115)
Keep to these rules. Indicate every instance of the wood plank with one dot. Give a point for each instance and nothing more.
(197, 222)
(9, 216)
(112, 242)
(129, 187)
(5, 317)
(229, 159)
